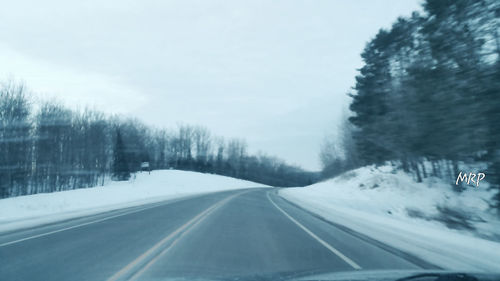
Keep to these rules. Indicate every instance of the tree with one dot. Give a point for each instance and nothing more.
(338, 153)
(428, 91)
(15, 140)
(61, 149)
(121, 170)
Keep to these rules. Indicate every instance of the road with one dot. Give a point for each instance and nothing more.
(227, 235)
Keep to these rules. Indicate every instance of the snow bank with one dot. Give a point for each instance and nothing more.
(391, 207)
(146, 188)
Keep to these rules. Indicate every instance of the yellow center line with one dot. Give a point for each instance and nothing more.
(155, 259)
(149, 254)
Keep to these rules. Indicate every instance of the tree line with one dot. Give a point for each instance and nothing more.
(46, 147)
(428, 95)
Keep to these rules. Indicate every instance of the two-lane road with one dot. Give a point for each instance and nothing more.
(236, 234)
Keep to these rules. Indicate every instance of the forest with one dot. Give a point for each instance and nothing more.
(47, 147)
(427, 97)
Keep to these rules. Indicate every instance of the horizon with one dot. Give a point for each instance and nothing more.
(266, 72)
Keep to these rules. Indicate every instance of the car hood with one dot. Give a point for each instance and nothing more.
(392, 275)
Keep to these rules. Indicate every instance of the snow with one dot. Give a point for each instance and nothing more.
(31, 210)
(379, 202)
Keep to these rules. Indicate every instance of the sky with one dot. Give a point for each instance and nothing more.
(273, 72)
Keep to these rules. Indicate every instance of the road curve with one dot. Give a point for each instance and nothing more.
(241, 234)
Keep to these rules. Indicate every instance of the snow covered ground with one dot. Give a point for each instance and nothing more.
(429, 220)
(160, 185)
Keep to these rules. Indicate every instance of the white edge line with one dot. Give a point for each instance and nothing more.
(75, 226)
(321, 241)
(83, 224)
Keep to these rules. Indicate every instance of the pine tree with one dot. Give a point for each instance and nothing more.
(121, 170)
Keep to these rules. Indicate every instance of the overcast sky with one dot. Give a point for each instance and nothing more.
(273, 72)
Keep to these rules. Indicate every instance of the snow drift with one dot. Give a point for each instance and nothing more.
(146, 188)
(453, 230)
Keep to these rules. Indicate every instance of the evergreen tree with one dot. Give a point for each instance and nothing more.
(428, 91)
(121, 170)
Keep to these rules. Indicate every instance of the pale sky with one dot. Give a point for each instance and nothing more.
(273, 72)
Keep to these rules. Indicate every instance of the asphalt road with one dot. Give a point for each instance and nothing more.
(243, 234)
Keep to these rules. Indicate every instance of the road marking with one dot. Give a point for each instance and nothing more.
(164, 251)
(75, 226)
(150, 253)
(321, 241)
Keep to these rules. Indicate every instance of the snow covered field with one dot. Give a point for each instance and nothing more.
(391, 207)
(160, 185)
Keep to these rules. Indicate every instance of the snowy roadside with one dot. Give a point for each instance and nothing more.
(32, 210)
(392, 208)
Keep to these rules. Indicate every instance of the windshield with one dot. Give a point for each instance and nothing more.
(250, 140)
